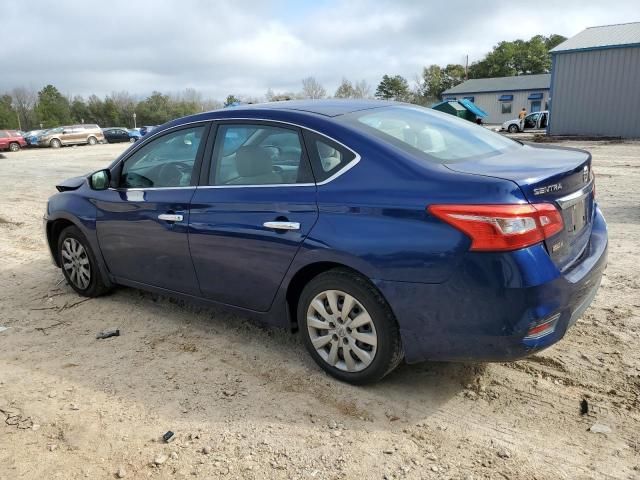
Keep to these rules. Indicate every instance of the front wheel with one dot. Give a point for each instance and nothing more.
(14, 147)
(513, 129)
(132, 139)
(79, 265)
(55, 143)
(92, 141)
(348, 328)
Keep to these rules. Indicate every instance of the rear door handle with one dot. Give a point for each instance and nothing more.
(170, 217)
(282, 225)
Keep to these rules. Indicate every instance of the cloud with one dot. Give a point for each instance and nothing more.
(246, 46)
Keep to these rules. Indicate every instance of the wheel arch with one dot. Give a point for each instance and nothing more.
(304, 275)
(54, 229)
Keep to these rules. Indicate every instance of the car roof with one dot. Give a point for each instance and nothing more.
(327, 108)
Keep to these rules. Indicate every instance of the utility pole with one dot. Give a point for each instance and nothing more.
(17, 115)
(134, 120)
(466, 68)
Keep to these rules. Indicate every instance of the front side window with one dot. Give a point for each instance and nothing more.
(258, 155)
(3, 134)
(166, 161)
(429, 134)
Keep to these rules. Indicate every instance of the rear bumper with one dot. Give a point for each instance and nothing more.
(483, 313)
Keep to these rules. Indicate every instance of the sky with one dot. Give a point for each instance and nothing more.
(244, 47)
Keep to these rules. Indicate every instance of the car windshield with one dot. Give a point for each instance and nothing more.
(430, 135)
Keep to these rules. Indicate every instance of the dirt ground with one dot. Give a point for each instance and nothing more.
(245, 402)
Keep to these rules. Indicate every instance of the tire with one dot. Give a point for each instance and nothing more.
(132, 139)
(92, 141)
(74, 250)
(14, 147)
(513, 128)
(375, 352)
(55, 143)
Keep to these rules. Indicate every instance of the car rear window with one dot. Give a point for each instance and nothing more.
(435, 136)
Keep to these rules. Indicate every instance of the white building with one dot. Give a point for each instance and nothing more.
(503, 97)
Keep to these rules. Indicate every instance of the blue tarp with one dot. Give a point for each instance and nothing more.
(469, 105)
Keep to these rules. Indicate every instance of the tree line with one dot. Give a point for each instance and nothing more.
(26, 109)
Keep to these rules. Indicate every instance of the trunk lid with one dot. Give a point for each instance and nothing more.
(548, 175)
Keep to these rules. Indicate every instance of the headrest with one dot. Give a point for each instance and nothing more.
(252, 161)
(325, 150)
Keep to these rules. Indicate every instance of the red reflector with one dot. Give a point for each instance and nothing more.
(502, 227)
(540, 328)
(546, 327)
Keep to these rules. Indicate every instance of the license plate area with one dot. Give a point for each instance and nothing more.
(575, 216)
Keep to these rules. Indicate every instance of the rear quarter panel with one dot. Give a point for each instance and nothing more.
(377, 213)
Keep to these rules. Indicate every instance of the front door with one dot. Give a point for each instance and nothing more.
(142, 223)
(248, 223)
(535, 106)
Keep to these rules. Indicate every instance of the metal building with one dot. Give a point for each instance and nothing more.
(595, 83)
(502, 98)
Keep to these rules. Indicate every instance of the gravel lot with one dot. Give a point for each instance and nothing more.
(245, 402)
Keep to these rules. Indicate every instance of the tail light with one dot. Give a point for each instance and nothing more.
(502, 227)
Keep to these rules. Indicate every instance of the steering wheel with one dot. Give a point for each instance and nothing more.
(170, 175)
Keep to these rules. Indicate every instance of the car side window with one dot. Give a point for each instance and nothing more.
(327, 156)
(258, 155)
(167, 161)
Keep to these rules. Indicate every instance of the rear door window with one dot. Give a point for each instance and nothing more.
(254, 155)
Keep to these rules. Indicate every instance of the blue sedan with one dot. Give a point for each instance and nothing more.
(380, 231)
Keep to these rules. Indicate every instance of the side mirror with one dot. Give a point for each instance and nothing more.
(100, 180)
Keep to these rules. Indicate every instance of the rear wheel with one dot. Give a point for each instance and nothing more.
(14, 147)
(92, 140)
(55, 143)
(348, 328)
(513, 128)
(78, 262)
(132, 139)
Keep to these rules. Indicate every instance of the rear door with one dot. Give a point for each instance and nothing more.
(142, 224)
(248, 220)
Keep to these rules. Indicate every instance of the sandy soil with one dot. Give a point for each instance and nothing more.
(245, 402)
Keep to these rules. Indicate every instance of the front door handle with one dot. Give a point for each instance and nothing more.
(282, 225)
(170, 217)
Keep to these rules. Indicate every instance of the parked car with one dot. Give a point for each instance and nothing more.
(11, 140)
(533, 120)
(134, 134)
(117, 134)
(379, 230)
(31, 137)
(147, 129)
(89, 134)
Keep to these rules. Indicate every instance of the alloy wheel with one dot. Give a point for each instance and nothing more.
(75, 262)
(342, 331)
(14, 147)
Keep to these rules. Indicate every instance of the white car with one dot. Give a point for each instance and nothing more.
(533, 120)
